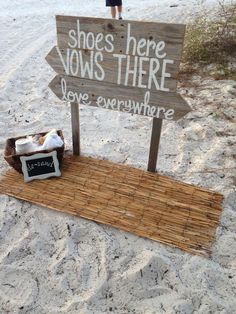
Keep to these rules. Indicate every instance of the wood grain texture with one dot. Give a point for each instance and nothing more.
(154, 145)
(108, 90)
(110, 67)
(146, 204)
(75, 128)
(172, 34)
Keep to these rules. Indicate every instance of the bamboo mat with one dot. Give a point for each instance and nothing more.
(144, 203)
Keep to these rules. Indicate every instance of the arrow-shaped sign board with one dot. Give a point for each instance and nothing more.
(126, 66)
(119, 61)
(154, 104)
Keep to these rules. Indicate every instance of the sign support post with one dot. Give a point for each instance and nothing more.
(155, 142)
(125, 66)
(75, 128)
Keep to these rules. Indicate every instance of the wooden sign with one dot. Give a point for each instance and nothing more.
(125, 66)
(119, 65)
(40, 166)
(130, 100)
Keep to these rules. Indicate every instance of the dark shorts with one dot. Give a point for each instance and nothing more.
(113, 3)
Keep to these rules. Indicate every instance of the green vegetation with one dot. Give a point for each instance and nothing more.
(210, 42)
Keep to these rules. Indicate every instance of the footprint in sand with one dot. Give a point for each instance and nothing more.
(18, 286)
(84, 272)
(150, 274)
(4, 107)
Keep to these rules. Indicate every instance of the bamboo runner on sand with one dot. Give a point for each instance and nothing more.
(144, 203)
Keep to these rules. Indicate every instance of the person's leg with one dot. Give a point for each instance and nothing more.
(113, 12)
(119, 8)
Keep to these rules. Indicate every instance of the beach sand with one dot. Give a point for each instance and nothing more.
(54, 263)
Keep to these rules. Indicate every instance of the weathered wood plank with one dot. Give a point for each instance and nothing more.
(154, 146)
(75, 128)
(158, 104)
(72, 62)
(127, 66)
(171, 34)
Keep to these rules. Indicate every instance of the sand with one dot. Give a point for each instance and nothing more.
(54, 263)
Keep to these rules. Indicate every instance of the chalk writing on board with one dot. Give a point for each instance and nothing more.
(40, 166)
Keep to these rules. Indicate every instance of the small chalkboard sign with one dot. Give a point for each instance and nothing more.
(40, 166)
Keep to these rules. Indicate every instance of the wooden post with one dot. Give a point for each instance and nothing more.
(71, 84)
(154, 146)
(75, 128)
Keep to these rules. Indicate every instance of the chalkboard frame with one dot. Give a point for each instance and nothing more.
(55, 173)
